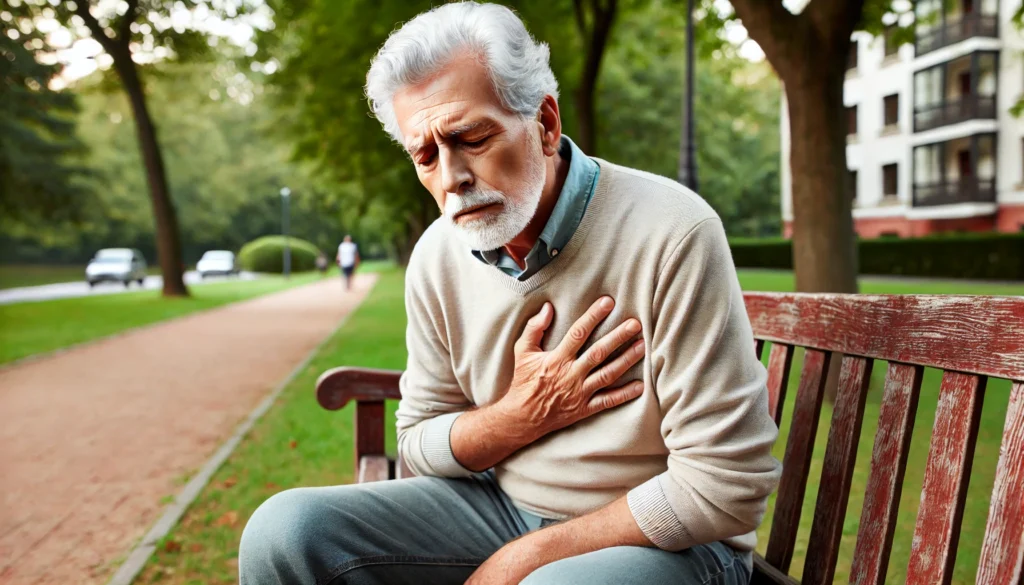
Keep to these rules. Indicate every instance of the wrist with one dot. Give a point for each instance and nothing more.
(516, 421)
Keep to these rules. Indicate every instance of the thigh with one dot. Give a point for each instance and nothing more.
(417, 530)
(710, 564)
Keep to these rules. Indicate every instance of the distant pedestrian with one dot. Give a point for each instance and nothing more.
(321, 263)
(348, 260)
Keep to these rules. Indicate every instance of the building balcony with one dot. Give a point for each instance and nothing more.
(964, 190)
(950, 32)
(972, 107)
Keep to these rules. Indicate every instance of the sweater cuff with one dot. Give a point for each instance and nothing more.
(655, 516)
(437, 446)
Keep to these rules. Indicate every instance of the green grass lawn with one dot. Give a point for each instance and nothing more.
(19, 275)
(37, 327)
(298, 444)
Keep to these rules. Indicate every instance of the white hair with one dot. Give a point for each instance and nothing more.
(517, 64)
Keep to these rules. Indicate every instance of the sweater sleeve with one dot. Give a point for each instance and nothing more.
(714, 403)
(431, 396)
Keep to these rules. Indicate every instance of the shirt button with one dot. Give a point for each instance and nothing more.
(554, 252)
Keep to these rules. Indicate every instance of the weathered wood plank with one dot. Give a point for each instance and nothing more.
(765, 574)
(980, 335)
(373, 468)
(797, 461)
(837, 471)
(1002, 553)
(885, 482)
(369, 429)
(779, 361)
(338, 386)
(946, 478)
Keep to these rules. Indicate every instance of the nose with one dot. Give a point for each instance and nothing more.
(455, 172)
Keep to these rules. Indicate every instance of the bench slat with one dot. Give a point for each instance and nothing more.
(779, 362)
(374, 468)
(885, 482)
(947, 475)
(1002, 554)
(981, 335)
(837, 471)
(797, 461)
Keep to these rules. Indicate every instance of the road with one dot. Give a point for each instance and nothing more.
(66, 290)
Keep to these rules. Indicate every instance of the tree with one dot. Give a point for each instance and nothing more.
(137, 27)
(808, 52)
(594, 19)
(39, 179)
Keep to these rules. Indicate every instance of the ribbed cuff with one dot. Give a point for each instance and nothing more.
(655, 516)
(437, 446)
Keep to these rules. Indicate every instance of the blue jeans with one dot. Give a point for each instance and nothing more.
(433, 531)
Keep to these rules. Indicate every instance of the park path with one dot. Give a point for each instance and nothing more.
(93, 438)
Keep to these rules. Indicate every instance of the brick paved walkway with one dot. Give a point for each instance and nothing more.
(92, 439)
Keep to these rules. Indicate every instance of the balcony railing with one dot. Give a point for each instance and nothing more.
(969, 25)
(952, 112)
(966, 190)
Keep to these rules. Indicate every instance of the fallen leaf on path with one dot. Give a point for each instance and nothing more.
(228, 519)
(229, 482)
(293, 443)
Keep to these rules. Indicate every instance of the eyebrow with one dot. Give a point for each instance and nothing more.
(453, 133)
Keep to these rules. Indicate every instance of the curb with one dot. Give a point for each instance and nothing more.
(142, 552)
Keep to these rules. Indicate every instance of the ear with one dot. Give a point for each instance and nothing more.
(550, 125)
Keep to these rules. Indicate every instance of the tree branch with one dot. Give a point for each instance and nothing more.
(124, 33)
(834, 20)
(581, 22)
(780, 33)
(94, 26)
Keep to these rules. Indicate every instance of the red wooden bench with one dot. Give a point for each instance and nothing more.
(969, 338)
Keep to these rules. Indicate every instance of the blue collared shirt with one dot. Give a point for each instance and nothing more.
(572, 202)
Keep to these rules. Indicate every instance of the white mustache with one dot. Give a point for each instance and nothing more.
(456, 204)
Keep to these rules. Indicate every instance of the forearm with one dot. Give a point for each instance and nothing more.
(483, 437)
(606, 527)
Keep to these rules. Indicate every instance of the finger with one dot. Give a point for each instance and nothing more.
(599, 352)
(584, 326)
(614, 397)
(533, 333)
(613, 371)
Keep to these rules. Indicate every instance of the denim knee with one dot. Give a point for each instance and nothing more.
(278, 542)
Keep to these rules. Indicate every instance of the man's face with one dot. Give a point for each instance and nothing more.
(483, 164)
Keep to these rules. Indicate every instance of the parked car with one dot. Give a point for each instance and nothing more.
(217, 262)
(122, 265)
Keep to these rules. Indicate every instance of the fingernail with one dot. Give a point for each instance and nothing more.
(633, 326)
(607, 303)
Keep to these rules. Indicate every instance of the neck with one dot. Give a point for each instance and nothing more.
(520, 246)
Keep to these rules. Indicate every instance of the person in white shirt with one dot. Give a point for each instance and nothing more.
(348, 260)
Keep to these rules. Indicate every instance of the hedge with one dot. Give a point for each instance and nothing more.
(266, 254)
(984, 256)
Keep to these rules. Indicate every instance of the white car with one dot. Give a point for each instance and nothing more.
(217, 262)
(122, 265)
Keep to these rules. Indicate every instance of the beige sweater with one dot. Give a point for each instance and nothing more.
(693, 452)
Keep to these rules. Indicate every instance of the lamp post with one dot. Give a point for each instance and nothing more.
(688, 142)
(285, 193)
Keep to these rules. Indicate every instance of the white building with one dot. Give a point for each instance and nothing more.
(932, 146)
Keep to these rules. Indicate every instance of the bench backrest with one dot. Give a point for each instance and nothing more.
(970, 339)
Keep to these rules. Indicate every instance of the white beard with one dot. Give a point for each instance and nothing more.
(496, 230)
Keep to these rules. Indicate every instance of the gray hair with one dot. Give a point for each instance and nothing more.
(517, 64)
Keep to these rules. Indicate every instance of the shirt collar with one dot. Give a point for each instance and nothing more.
(565, 217)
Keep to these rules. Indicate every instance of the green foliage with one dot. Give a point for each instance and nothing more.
(266, 255)
(39, 180)
(989, 256)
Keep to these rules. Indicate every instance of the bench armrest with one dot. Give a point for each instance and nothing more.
(339, 386)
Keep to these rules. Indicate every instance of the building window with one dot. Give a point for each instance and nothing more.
(890, 180)
(889, 40)
(851, 120)
(891, 105)
(851, 184)
(851, 56)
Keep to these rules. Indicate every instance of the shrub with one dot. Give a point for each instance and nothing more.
(988, 256)
(266, 254)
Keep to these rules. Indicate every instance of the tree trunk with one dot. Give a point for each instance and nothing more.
(824, 250)
(595, 40)
(168, 238)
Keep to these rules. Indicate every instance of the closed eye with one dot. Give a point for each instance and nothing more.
(475, 143)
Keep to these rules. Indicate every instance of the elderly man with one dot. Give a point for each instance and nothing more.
(582, 403)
